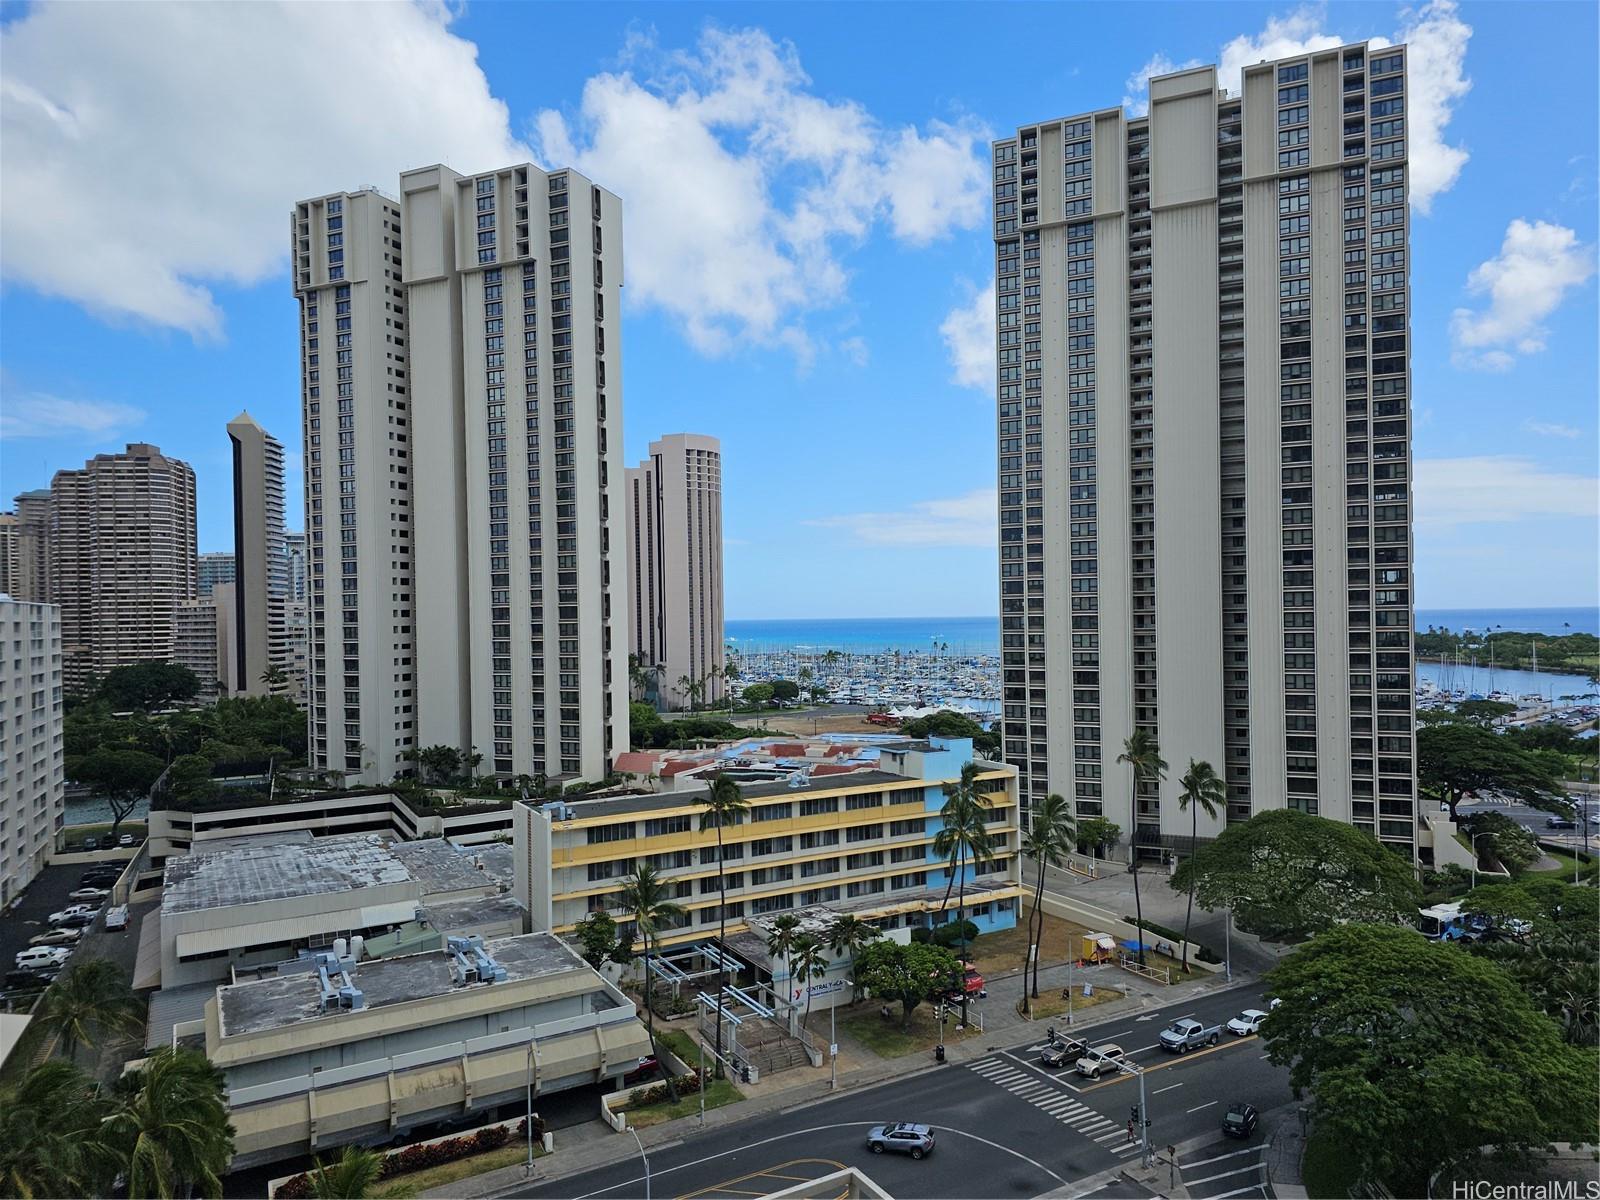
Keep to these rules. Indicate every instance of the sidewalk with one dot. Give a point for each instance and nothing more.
(592, 1145)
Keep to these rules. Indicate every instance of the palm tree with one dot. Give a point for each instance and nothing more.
(964, 835)
(90, 1000)
(1202, 789)
(685, 684)
(724, 805)
(49, 1143)
(1142, 752)
(171, 1128)
(847, 935)
(349, 1177)
(646, 895)
(274, 677)
(1051, 832)
(807, 961)
(784, 933)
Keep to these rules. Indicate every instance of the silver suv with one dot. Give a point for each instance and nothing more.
(915, 1140)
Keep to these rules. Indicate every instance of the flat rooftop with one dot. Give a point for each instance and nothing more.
(284, 1001)
(278, 871)
(454, 916)
(862, 780)
(441, 866)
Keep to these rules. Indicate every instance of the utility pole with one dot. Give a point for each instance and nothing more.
(1227, 945)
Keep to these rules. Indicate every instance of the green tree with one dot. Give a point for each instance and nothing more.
(275, 678)
(724, 805)
(170, 1126)
(1096, 833)
(643, 721)
(122, 777)
(847, 935)
(1288, 874)
(909, 974)
(90, 1001)
(785, 689)
(646, 895)
(148, 686)
(439, 763)
(947, 723)
(1201, 789)
(1050, 834)
(1457, 759)
(782, 935)
(757, 694)
(50, 1143)
(1142, 753)
(351, 1176)
(808, 962)
(638, 678)
(597, 934)
(1419, 1057)
(963, 838)
(1503, 839)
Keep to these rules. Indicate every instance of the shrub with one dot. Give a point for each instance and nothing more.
(922, 935)
(657, 1093)
(952, 932)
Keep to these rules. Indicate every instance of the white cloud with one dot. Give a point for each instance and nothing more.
(1496, 488)
(739, 183)
(1136, 89)
(1526, 282)
(152, 151)
(855, 349)
(37, 415)
(1437, 37)
(967, 520)
(1551, 429)
(968, 332)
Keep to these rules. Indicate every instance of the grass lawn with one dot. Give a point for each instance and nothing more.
(1326, 1170)
(1567, 860)
(719, 1093)
(420, 1183)
(887, 1040)
(1050, 1003)
(681, 1044)
(1004, 949)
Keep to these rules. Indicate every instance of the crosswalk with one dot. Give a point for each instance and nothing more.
(1079, 1117)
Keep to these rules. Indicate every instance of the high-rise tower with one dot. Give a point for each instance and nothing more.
(356, 412)
(122, 558)
(674, 522)
(260, 639)
(1204, 446)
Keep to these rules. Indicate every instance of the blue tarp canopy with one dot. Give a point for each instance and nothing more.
(1130, 944)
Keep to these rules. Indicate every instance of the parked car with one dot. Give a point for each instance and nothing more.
(91, 843)
(99, 877)
(25, 981)
(125, 840)
(1247, 1022)
(42, 956)
(75, 920)
(88, 893)
(1101, 1058)
(1560, 823)
(117, 918)
(972, 984)
(1240, 1119)
(56, 937)
(74, 910)
(645, 1068)
(1184, 1034)
(915, 1140)
(1063, 1053)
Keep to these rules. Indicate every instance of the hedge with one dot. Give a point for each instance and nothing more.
(657, 1093)
(432, 1154)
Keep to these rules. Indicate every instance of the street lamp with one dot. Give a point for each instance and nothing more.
(528, 1120)
(646, 1159)
(1227, 944)
(1475, 838)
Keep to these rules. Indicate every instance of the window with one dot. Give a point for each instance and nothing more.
(661, 826)
(816, 805)
(620, 832)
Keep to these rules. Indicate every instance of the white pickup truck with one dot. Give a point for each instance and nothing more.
(1186, 1033)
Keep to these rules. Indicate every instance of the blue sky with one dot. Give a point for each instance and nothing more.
(805, 244)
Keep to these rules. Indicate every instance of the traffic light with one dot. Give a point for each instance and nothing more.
(1133, 1114)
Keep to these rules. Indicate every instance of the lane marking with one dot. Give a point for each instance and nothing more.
(1172, 1062)
(1253, 1189)
(1209, 1178)
(1106, 1137)
(1168, 1088)
(728, 1184)
(1221, 1157)
(1198, 1107)
(1130, 1148)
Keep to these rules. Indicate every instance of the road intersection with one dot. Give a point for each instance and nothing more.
(1006, 1125)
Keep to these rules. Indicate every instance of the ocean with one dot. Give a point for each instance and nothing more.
(981, 635)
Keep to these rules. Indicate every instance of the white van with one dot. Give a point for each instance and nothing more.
(41, 956)
(117, 918)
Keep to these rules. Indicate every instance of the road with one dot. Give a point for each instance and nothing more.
(1006, 1126)
(1533, 819)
